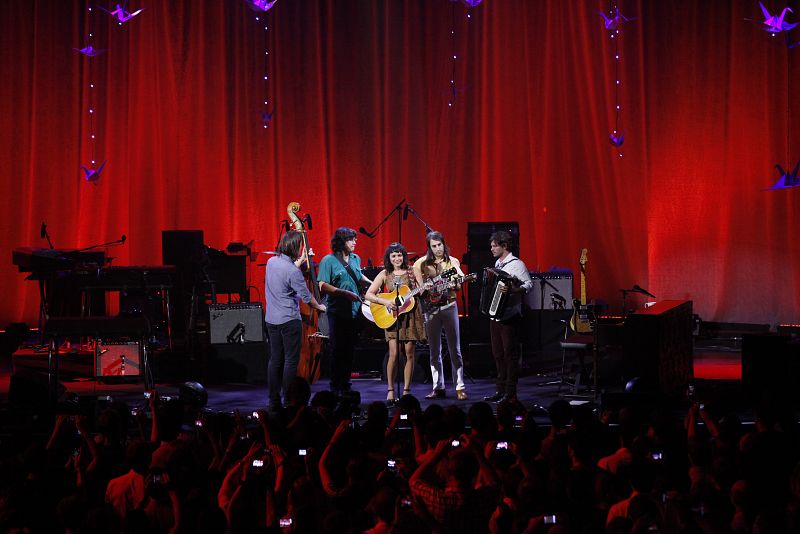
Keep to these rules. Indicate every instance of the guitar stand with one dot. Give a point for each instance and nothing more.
(556, 378)
(581, 344)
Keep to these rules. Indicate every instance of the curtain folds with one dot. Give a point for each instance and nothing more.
(360, 92)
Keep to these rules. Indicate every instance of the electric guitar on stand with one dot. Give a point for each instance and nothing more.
(582, 315)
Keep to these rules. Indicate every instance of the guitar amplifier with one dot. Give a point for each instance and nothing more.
(561, 279)
(118, 358)
(241, 322)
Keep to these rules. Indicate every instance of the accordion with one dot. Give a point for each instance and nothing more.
(493, 300)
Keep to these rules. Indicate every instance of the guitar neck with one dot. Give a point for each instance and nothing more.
(411, 293)
(460, 280)
(583, 287)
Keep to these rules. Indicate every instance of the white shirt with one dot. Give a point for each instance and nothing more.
(516, 268)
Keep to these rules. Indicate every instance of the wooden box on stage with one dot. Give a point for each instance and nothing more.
(657, 345)
(118, 358)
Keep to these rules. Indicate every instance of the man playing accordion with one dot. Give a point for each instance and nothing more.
(505, 324)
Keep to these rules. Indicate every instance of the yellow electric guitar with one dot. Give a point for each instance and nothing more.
(403, 297)
(582, 315)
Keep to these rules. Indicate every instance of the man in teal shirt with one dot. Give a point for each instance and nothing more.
(339, 279)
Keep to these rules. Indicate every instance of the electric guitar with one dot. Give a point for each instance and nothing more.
(442, 284)
(582, 315)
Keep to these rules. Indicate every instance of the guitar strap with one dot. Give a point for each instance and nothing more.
(412, 284)
(350, 272)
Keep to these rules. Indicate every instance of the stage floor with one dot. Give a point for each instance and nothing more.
(717, 375)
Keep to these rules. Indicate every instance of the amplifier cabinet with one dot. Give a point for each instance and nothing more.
(561, 279)
(241, 322)
(118, 358)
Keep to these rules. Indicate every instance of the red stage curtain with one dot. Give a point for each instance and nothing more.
(360, 91)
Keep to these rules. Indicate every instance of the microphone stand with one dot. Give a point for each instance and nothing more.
(636, 289)
(399, 210)
(119, 241)
(413, 212)
(624, 301)
(542, 284)
(45, 234)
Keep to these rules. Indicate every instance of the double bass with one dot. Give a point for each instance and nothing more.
(314, 322)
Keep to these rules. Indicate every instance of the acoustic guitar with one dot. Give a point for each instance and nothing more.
(386, 316)
(403, 297)
(582, 315)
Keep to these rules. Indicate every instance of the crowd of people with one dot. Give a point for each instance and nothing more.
(321, 465)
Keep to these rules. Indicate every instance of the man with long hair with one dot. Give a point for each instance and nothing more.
(339, 279)
(441, 314)
(284, 288)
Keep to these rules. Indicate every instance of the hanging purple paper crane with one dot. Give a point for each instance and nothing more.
(260, 5)
(92, 175)
(612, 22)
(787, 179)
(775, 24)
(121, 13)
(90, 51)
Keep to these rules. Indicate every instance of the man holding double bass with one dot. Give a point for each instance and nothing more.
(284, 287)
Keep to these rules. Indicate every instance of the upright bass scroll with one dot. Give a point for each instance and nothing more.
(315, 323)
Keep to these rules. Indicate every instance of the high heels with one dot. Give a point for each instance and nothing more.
(390, 395)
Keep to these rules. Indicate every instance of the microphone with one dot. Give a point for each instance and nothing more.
(123, 238)
(643, 291)
(43, 230)
(308, 221)
(364, 231)
(405, 213)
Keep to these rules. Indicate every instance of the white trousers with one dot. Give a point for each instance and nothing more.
(445, 319)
